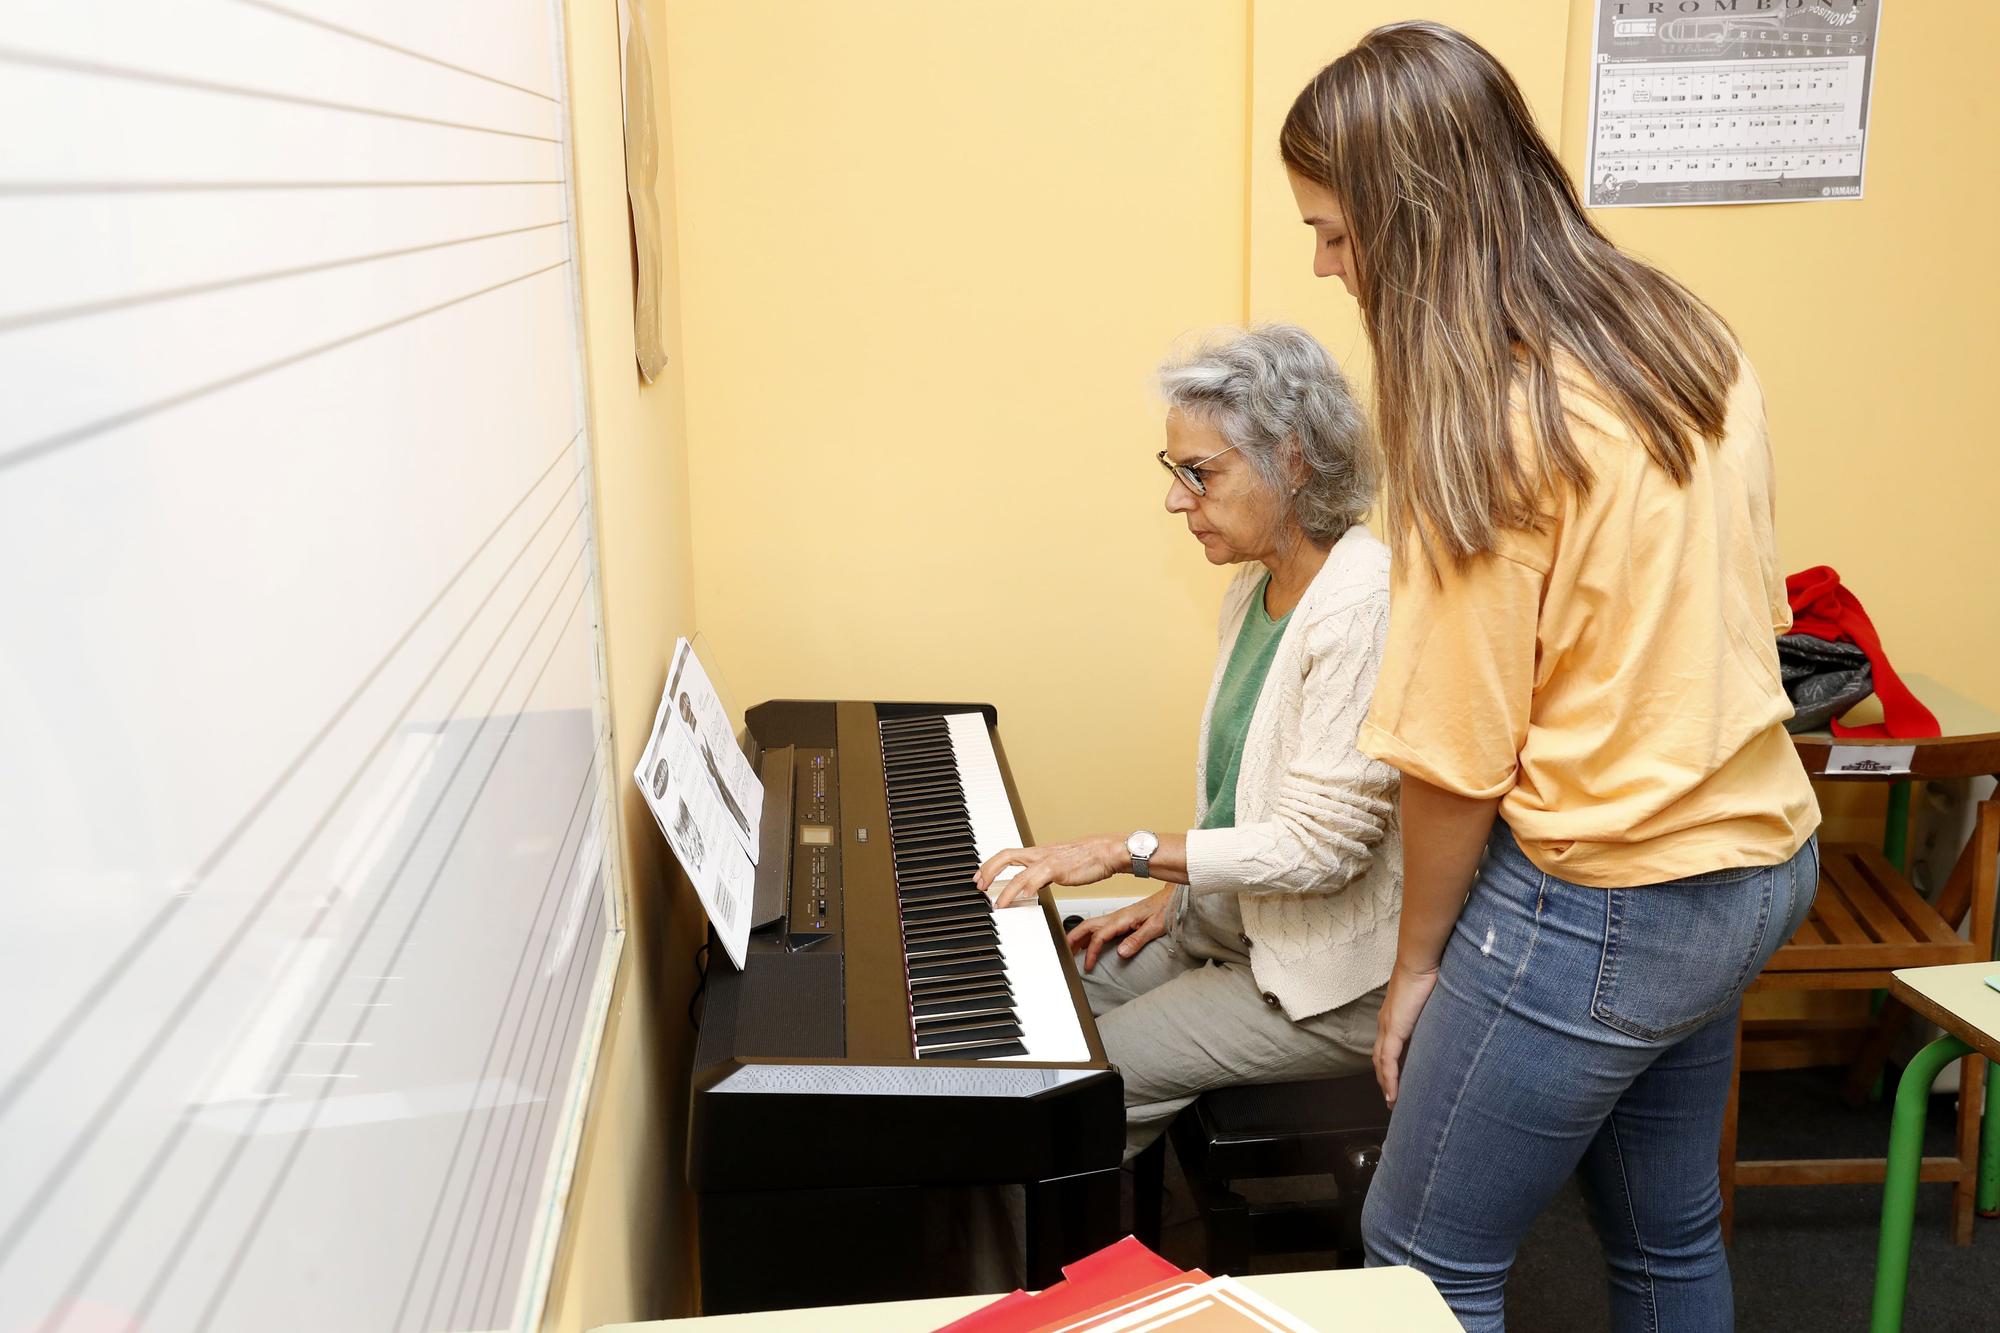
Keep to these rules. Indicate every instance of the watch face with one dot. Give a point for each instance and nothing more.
(1142, 843)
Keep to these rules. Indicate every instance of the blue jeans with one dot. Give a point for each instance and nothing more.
(1590, 1031)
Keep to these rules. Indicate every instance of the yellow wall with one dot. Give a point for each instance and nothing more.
(941, 248)
(624, 1252)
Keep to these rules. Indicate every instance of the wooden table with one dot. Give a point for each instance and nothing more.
(1354, 1300)
(1959, 1001)
(1959, 718)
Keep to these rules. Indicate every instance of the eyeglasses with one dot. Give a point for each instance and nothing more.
(1189, 474)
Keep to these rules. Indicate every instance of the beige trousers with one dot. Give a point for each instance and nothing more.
(1185, 1015)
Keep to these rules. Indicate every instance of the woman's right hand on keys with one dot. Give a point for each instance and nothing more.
(1139, 925)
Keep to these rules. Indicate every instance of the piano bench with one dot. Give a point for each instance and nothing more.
(1318, 1127)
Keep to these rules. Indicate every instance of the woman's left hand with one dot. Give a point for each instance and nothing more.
(1409, 989)
(1085, 861)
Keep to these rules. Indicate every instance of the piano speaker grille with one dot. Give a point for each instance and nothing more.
(782, 1006)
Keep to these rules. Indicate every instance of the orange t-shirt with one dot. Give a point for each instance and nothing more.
(1613, 677)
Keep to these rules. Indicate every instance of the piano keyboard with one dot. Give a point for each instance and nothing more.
(983, 985)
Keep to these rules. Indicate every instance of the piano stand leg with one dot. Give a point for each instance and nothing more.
(1068, 1218)
(1149, 1179)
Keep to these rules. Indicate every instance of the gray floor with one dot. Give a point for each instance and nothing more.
(1803, 1258)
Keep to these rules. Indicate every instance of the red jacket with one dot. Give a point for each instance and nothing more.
(1825, 610)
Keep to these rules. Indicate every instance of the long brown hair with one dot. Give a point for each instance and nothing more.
(1477, 271)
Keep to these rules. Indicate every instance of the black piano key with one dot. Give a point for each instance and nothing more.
(926, 777)
(942, 886)
(958, 886)
(939, 795)
(933, 855)
(927, 759)
(918, 949)
(967, 1036)
(931, 875)
(949, 901)
(925, 816)
(963, 939)
(941, 988)
(945, 1023)
(971, 1032)
(974, 907)
(917, 930)
(922, 793)
(937, 839)
(971, 1003)
(963, 862)
(971, 932)
(947, 912)
(929, 779)
(991, 966)
(990, 1052)
(917, 736)
(927, 875)
(914, 722)
(915, 901)
(966, 952)
(929, 817)
(954, 829)
(951, 945)
(915, 741)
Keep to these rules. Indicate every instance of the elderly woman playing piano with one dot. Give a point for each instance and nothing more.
(1264, 957)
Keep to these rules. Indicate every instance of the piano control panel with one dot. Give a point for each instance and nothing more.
(814, 908)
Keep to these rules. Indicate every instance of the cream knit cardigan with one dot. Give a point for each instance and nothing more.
(1316, 855)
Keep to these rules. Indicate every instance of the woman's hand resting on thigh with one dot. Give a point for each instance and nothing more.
(1140, 924)
(1085, 861)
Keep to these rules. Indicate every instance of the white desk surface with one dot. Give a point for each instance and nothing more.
(1956, 998)
(1357, 1300)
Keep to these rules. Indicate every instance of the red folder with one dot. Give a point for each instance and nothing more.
(1090, 1282)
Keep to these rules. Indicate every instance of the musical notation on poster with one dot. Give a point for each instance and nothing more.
(1730, 101)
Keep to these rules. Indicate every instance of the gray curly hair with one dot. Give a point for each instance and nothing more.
(1270, 387)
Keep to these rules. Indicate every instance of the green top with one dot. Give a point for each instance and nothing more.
(1235, 701)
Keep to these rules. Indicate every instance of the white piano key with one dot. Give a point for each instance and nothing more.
(1049, 1026)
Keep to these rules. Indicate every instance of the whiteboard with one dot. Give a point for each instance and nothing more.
(305, 921)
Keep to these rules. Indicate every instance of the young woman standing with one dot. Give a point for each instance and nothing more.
(1606, 831)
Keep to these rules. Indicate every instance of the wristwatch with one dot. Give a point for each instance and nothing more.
(1142, 845)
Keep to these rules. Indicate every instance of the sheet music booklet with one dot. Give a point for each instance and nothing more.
(705, 797)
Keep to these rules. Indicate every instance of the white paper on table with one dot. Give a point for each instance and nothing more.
(1869, 759)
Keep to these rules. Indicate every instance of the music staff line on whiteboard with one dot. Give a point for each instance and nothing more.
(56, 313)
(371, 40)
(94, 69)
(39, 189)
(50, 444)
